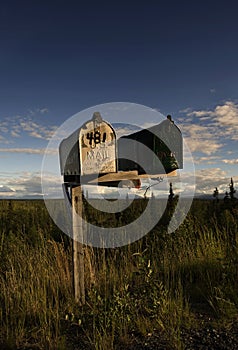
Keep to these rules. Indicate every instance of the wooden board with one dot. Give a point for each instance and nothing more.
(154, 176)
(128, 175)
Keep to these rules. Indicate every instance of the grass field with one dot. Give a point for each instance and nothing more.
(156, 285)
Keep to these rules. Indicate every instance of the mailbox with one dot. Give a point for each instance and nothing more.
(165, 142)
(91, 149)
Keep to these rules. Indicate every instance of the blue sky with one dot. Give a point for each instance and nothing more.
(58, 58)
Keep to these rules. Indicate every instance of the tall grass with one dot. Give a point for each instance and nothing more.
(150, 286)
(35, 286)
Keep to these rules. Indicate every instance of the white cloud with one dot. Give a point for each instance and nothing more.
(223, 116)
(203, 146)
(3, 128)
(16, 126)
(38, 111)
(125, 129)
(207, 159)
(210, 173)
(36, 135)
(5, 189)
(23, 150)
(208, 179)
(36, 130)
(148, 125)
(204, 119)
(4, 140)
(15, 134)
(185, 110)
(26, 183)
(200, 139)
(30, 150)
(230, 161)
(210, 130)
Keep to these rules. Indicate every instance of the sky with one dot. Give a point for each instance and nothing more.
(58, 58)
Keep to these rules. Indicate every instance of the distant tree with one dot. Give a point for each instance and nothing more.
(216, 194)
(226, 198)
(232, 190)
(171, 193)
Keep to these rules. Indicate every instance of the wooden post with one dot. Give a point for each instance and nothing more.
(78, 249)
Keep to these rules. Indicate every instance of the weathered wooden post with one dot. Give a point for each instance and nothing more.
(89, 152)
(78, 248)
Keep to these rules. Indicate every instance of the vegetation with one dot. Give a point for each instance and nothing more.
(155, 285)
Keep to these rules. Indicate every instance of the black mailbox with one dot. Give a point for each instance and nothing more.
(165, 142)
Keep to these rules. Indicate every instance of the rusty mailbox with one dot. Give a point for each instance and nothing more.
(90, 150)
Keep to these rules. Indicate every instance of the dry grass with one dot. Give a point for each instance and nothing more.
(138, 289)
